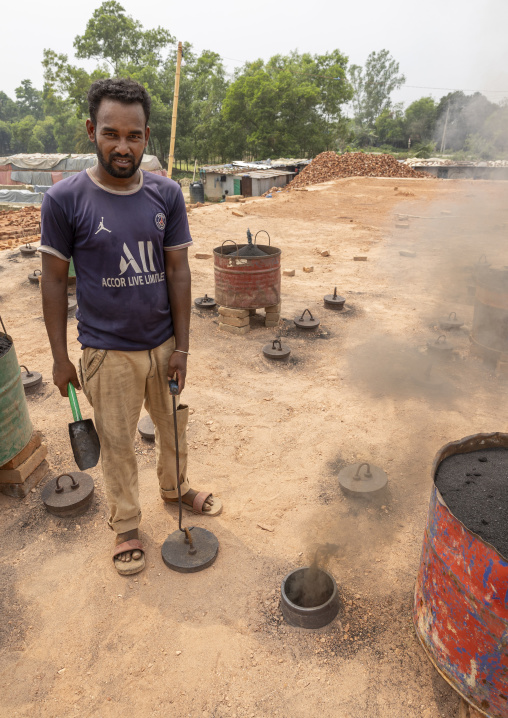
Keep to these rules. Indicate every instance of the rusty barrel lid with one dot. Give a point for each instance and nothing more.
(309, 323)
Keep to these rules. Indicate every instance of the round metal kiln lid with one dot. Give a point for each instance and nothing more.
(276, 350)
(68, 494)
(251, 249)
(334, 301)
(146, 428)
(30, 378)
(205, 302)
(34, 277)
(452, 321)
(304, 322)
(440, 346)
(362, 478)
(179, 556)
(28, 250)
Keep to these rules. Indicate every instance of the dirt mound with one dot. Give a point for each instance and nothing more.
(329, 165)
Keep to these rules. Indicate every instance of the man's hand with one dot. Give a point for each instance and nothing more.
(177, 368)
(64, 373)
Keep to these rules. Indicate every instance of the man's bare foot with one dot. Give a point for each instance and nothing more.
(128, 555)
(188, 498)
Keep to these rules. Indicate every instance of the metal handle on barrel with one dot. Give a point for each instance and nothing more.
(263, 230)
(224, 242)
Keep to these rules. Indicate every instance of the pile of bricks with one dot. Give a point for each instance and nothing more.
(329, 165)
(237, 321)
(18, 226)
(25, 470)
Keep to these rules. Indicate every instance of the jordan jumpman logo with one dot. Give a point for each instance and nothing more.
(102, 227)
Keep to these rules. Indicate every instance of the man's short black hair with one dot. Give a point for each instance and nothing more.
(120, 89)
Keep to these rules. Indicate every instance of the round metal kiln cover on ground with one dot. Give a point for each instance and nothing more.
(452, 321)
(27, 250)
(311, 605)
(69, 494)
(205, 302)
(440, 347)
(362, 478)
(146, 428)
(30, 378)
(334, 301)
(276, 350)
(309, 323)
(34, 277)
(175, 551)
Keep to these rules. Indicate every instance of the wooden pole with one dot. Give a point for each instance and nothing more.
(175, 110)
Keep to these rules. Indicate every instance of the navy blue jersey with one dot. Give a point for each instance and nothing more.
(117, 241)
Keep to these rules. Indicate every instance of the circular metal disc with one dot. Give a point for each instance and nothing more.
(336, 302)
(277, 354)
(33, 380)
(309, 324)
(205, 302)
(28, 251)
(175, 552)
(70, 501)
(447, 323)
(363, 485)
(72, 306)
(146, 428)
(34, 278)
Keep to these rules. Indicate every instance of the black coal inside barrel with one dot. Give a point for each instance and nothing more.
(475, 489)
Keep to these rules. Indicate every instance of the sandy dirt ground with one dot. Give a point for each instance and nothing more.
(77, 639)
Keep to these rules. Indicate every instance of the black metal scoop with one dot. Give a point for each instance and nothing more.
(85, 442)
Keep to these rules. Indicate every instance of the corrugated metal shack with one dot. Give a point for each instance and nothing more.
(250, 179)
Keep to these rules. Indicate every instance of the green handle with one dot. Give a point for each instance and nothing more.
(76, 413)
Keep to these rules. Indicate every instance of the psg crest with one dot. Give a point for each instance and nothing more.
(160, 220)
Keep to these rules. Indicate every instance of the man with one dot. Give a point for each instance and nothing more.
(128, 234)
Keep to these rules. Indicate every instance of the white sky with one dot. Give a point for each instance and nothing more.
(456, 44)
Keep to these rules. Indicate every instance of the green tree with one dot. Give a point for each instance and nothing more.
(22, 132)
(8, 108)
(118, 39)
(291, 105)
(5, 137)
(29, 100)
(373, 85)
(390, 127)
(421, 119)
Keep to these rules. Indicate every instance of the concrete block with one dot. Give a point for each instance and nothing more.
(23, 455)
(325, 253)
(360, 259)
(234, 330)
(237, 214)
(230, 312)
(23, 471)
(272, 316)
(407, 253)
(273, 308)
(19, 491)
(288, 272)
(402, 225)
(308, 269)
(202, 255)
(234, 197)
(236, 321)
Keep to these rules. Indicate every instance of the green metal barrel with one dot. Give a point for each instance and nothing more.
(15, 425)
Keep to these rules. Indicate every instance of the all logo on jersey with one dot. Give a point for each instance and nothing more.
(160, 220)
(143, 270)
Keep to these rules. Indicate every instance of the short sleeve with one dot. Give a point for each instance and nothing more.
(177, 234)
(57, 236)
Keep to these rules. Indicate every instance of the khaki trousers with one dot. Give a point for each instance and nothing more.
(116, 383)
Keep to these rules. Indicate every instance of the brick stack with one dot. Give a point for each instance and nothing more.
(272, 315)
(235, 321)
(25, 470)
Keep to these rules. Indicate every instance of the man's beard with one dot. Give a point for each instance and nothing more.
(113, 171)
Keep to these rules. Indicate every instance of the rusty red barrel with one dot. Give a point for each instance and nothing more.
(461, 599)
(246, 282)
